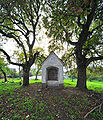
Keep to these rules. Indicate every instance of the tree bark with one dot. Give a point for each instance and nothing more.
(81, 68)
(37, 74)
(5, 78)
(72, 78)
(26, 70)
(19, 73)
(81, 59)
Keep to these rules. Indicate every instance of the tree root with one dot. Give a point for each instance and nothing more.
(99, 106)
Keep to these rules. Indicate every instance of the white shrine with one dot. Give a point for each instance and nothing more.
(52, 72)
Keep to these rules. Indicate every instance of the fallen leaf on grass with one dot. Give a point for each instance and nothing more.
(63, 90)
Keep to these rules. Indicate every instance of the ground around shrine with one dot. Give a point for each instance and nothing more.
(35, 103)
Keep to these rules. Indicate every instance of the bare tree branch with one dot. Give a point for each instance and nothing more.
(14, 20)
(67, 35)
(99, 106)
(90, 16)
(8, 58)
(20, 43)
(93, 59)
(13, 29)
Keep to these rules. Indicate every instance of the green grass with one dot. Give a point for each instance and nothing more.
(10, 86)
(17, 104)
(93, 85)
(17, 80)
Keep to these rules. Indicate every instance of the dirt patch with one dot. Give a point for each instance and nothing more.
(35, 103)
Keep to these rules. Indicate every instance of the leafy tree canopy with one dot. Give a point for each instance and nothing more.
(80, 24)
(68, 19)
(19, 21)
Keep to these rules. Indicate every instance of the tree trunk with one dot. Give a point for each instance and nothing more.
(72, 78)
(19, 73)
(5, 78)
(26, 70)
(37, 74)
(81, 68)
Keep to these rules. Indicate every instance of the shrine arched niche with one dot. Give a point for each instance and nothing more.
(52, 73)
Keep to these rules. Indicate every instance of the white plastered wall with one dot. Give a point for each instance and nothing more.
(52, 61)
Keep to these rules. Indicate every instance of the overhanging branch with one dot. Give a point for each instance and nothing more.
(34, 27)
(92, 13)
(8, 58)
(67, 35)
(19, 42)
(93, 59)
(15, 30)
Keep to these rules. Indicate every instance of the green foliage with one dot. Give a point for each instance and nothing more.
(16, 117)
(65, 19)
(13, 74)
(39, 60)
(95, 72)
(55, 46)
(19, 22)
(98, 78)
(72, 117)
(78, 23)
(69, 59)
(4, 70)
(3, 65)
(48, 117)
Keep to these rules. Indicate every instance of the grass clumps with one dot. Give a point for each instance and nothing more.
(29, 103)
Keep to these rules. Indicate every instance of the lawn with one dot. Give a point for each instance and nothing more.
(33, 103)
(93, 85)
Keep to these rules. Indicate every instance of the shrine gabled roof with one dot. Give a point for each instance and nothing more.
(52, 53)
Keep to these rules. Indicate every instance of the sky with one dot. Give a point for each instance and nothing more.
(9, 47)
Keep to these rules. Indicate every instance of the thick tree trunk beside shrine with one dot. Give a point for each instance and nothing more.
(81, 82)
(81, 68)
(26, 70)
